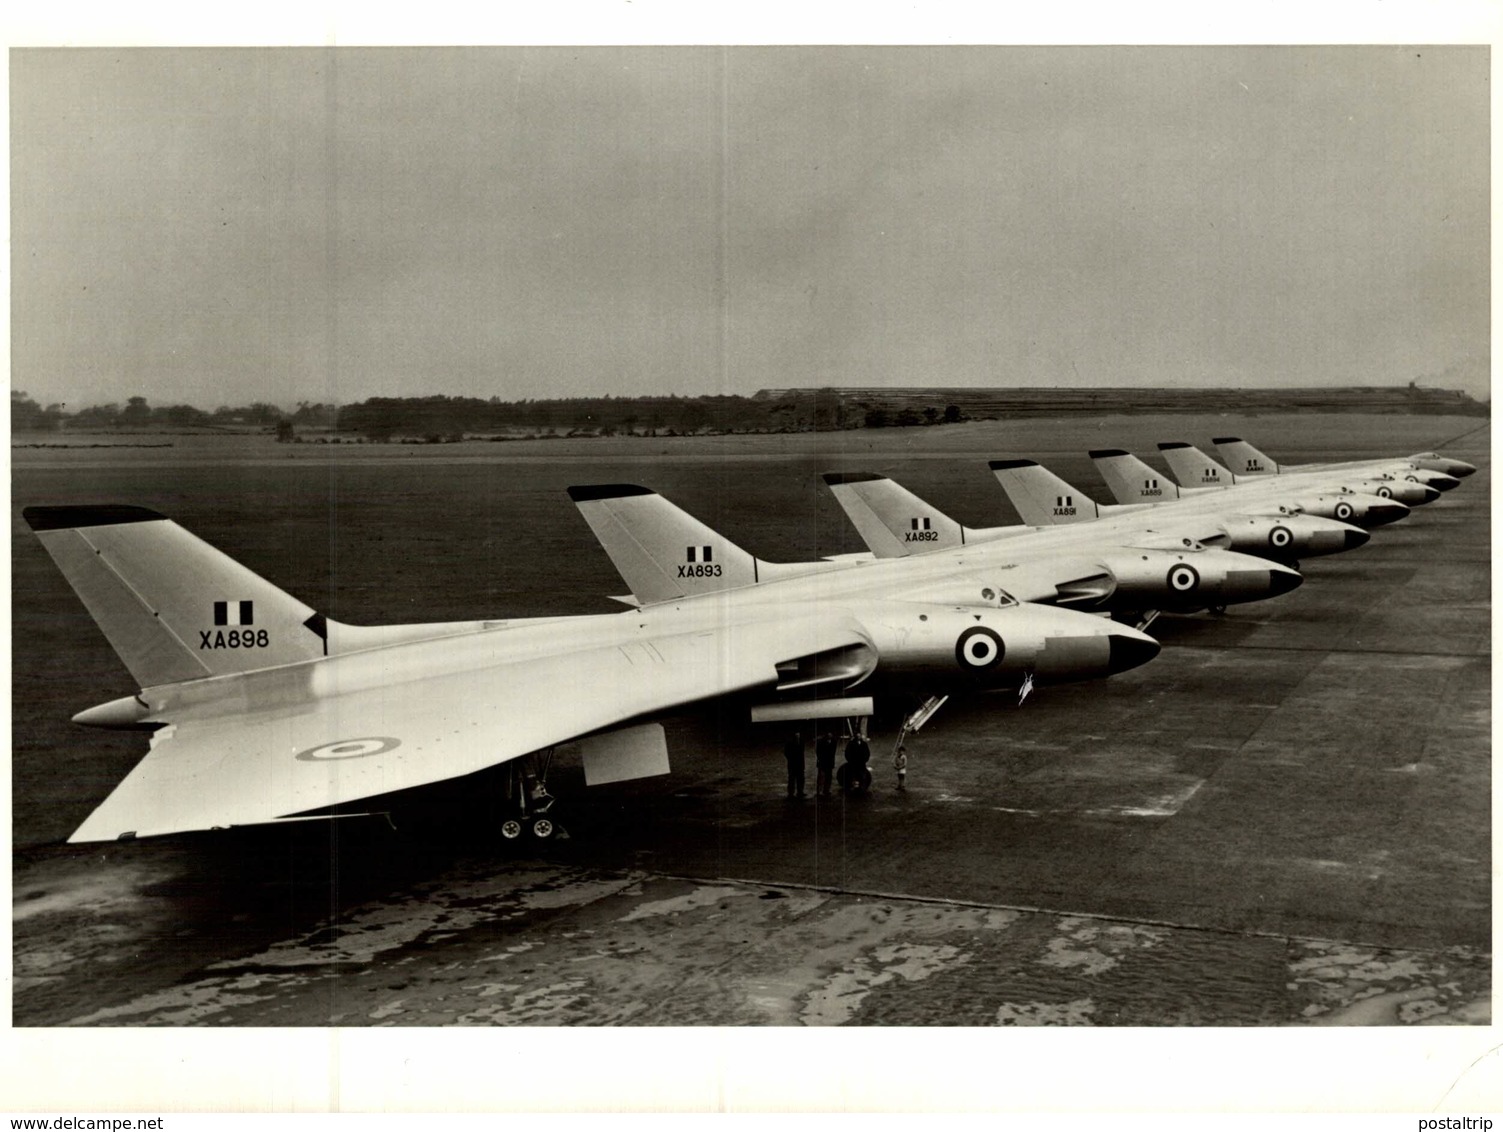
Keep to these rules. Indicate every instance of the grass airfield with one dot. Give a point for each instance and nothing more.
(1284, 818)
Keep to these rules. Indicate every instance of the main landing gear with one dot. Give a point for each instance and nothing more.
(527, 805)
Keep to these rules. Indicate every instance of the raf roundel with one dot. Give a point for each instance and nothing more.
(1183, 579)
(978, 647)
(349, 749)
(1343, 510)
(1385, 493)
(1280, 537)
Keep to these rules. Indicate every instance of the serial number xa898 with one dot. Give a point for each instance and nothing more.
(233, 639)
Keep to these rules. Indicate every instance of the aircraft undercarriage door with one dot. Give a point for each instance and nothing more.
(624, 754)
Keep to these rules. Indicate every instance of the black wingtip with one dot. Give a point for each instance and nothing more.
(1226, 440)
(591, 491)
(96, 515)
(1103, 453)
(1174, 444)
(833, 478)
(1000, 465)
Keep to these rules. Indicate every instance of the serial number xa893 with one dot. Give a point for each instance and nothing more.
(699, 570)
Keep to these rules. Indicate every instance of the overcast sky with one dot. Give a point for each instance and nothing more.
(218, 226)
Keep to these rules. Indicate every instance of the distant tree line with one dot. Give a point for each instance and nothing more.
(439, 418)
(137, 413)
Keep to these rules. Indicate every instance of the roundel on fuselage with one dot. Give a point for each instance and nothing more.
(1343, 510)
(978, 647)
(1183, 579)
(1280, 537)
(1385, 492)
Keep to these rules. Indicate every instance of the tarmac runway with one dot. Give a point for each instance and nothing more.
(1284, 818)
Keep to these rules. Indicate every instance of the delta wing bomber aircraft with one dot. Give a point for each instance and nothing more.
(1350, 494)
(1130, 565)
(1290, 506)
(1428, 468)
(1349, 499)
(882, 512)
(261, 709)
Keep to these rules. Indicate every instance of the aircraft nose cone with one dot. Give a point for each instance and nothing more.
(1443, 482)
(1130, 649)
(1431, 495)
(1459, 468)
(1281, 580)
(1356, 537)
(1380, 514)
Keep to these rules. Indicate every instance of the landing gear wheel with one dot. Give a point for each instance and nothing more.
(854, 780)
(1217, 610)
(526, 801)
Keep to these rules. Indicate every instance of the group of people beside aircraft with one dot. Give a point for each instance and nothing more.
(314, 718)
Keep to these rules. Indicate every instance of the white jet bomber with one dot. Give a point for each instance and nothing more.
(262, 710)
(1131, 565)
(1284, 522)
(1358, 500)
(1426, 469)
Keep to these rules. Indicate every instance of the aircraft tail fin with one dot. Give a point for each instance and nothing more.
(173, 607)
(1130, 480)
(1243, 459)
(1040, 497)
(892, 521)
(662, 552)
(1193, 468)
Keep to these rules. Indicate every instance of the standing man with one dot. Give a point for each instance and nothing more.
(824, 762)
(793, 751)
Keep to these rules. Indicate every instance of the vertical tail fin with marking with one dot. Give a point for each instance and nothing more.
(663, 553)
(1243, 459)
(1130, 480)
(1040, 497)
(173, 607)
(1193, 468)
(892, 521)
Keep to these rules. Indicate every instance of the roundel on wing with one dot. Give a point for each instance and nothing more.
(1280, 537)
(349, 749)
(1183, 578)
(978, 647)
(1343, 510)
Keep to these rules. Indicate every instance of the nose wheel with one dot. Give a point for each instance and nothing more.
(853, 776)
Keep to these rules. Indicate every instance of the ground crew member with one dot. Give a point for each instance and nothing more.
(793, 751)
(900, 764)
(824, 762)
